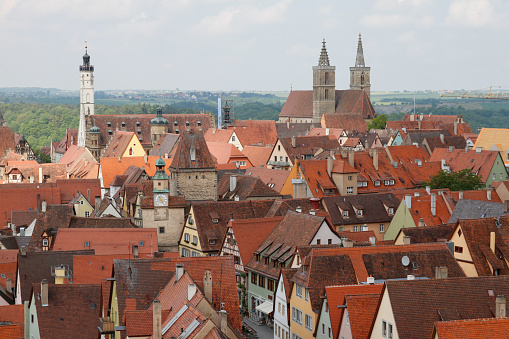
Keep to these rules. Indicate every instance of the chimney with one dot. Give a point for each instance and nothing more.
(315, 202)
(460, 195)
(441, 272)
(351, 159)
(191, 291)
(455, 128)
(43, 206)
(348, 243)
(406, 240)
(145, 158)
(40, 174)
(506, 206)
(44, 292)
(21, 231)
(327, 131)
(442, 139)
(408, 201)
(433, 204)
(418, 124)
(418, 162)
(179, 271)
(428, 189)
(312, 212)
(370, 280)
(478, 149)
(329, 165)
(500, 307)
(223, 320)
(451, 148)
(488, 193)
(8, 285)
(97, 203)
(493, 239)
(136, 251)
(421, 222)
(410, 277)
(288, 123)
(156, 320)
(23, 251)
(293, 141)
(207, 285)
(233, 182)
(375, 159)
(38, 201)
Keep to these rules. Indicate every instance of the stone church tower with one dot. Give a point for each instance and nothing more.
(359, 75)
(86, 97)
(324, 86)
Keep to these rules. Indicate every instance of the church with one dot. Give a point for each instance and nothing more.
(309, 106)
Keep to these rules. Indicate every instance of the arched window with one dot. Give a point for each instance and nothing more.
(326, 78)
(362, 79)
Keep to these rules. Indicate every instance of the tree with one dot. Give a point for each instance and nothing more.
(463, 180)
(378, 122)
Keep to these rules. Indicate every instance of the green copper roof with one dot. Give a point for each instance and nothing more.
(159, 120)
(160, 175)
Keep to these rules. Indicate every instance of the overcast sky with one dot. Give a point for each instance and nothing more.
(253, 44)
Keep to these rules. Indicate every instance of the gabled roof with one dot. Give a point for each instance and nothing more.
(118, 144)
(224, 152)
(287, 275)
(110, 167)
(336, 132)
(273, 178)
(309, 145)
(183, 154)
(218, 135)
(74, 154)
(15, 315)
(456, 141)
(247, 187)
(293, 129)
(361, 311)
(407, 153)
(35, 266)
(428, 234)
(106, 241)
(83, 300)
(492, 136)
(317, 178)
(472, 328)
(475, 209)
(255, 132)
(56, 216)
(442, 300)
(165, 145)
(51, 172)
(281, 207)
(346, 122)
(257, 155)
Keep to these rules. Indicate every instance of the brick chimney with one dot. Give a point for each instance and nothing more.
(421, 223)
(44, 292)
(156, 320)
(207, 285)
(500, 307)
(233, 182)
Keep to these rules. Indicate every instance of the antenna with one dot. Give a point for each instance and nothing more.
(86, 44)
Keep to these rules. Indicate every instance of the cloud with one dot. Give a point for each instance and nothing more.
(385, 20)
(6, 7)
(477, 13)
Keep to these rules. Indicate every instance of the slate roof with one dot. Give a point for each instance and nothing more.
(347, 122)
(271, 177)
(75, 308)
(288, 130)
(140, 124)
(255, 132)
(205, 212)
(257, 155)
(110, 167)
(300, 104)
(428, 234)
(441, 300)
(203, 157)
(247, 187)
(475, 209)
(374, 208)
(165, 145)
(472, 328)
(36, 266)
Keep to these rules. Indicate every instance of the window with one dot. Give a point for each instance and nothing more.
(278, 307)
(382, 228)
(297, 315)
(391, 211)
(233, 137)
(458, 249)
(261, 281)
(270, 284)
(356, 228)
(329, 241)
(212, 241)
(345, 214)
(386, 182)
(384, 328)
(279, 147)
(298, 291)
(349, 190)
(281, 287)
(275, 158)
(377, 183)
(82, 202)
(187, 237)
(161, 229)
(254, 278)
(294, 336)
(309, 322)
(195, 239)
(318, 241)
(87, 243)
(501, 176)
(494, 176)
(242, 163)
(306, 294)
(284, 309)
(281, 158)
(389, 332)
(330, 332)
(359, 213)
(347, 318)
(392, 182)
(350, 177)
(323, 328)
(87, 213)
(45, 242)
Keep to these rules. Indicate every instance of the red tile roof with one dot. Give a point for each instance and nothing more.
(203, 157)
(361, 311)
(70, 187)
(271, 177)
(255, 132)
(106, 241)
(226, 153)
(407, 153)
(472, 328)
(347, 122)
(118, 144)
(9, 271)
(111, 167)
(257, 155)
(317, 178)
(247, 187)
(28, 169)
(218, 135)
(327, 131)
(7, 141)
(309, 146)
(15, 315)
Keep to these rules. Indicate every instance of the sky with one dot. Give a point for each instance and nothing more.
(253, 45)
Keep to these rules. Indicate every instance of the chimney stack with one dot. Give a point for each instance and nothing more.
(44, 292)
(233, 182)
(156, 320)
(348, 243)
(488, 194)
(8, 285)
(428, 189)
(97, 203)
(351, 159)
(375, 159)
(136, 251)
(43, 206)
(500, 307)
(421, 222)
(455, 128)
(442, 139)
(293, 141)
(191, 291)
(207, 285)
(40, 174)
(370, 280)
(441, 272)
(433, 204)
(288, 123)
(410, 277)
(493, 238)
(223, 320)
(329, 165)
(460, 195)
(179, 268)
(408, 201)
(38, 202)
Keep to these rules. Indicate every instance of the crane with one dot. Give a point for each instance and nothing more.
(479, 94)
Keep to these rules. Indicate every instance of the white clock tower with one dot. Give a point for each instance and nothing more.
(160, 184)
(86, 96)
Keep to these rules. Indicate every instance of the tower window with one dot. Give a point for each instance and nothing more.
(110, 132)
(326, 94)
(326, 78)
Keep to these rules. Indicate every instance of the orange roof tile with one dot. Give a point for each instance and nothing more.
(257, 155)
(347, 122)
(315, 173)
(218, 135)
(407, 153)
(118, 144)
(326, 131)
(111, 167)
(225, 153)
(472, 328)
(361, 311)
(272, 177)
(255, 132)
(9, 271)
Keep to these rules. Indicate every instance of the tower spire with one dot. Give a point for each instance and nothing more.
(324, 57)
(359, 60)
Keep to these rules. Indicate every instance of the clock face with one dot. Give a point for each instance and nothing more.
(160, 200)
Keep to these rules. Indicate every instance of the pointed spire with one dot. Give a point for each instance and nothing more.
(324, 58)
(359, 60)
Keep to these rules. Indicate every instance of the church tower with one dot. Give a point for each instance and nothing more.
(324, 86)
(359, 75)
(86, 97)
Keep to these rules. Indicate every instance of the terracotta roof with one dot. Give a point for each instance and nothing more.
(247, 187)
(358, 237)
(9, 271)
(479, 163)
(110, 167)
(15, 315)
(250, 233)
(361, 311)
(407, 154)
(223, 211)
(70, 187)
(75, 153)
(327, 131)
(317, 178)
(384, 262)
(472, 328)
(36, 266)
(273, 178)
(106, 241)
(431, 117)
(20, 218)
(255, 132)
(140, 124)
(51, 172)
(308, 146)
(428, 234)
(7, 141)
(83, 300)
(455, 141)
(218, 135)
(56, 216)
(11, 331)
(92, 269)
(165, 145)
(336, 297)
(257, 155)
(140, 323)
(300, 104)
(281, 207)
(203, 157)
(7, 256)
(10, 156)
(442, 300)
(225, 153)
(347, 122)
(118, 144)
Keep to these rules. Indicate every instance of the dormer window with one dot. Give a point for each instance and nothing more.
(137, 123)
(110, 132)
(377, 183)
(192, 153)
(359, 213)
(123, 124)
(177, 131)
(215, 220)
(198, 123)
(108, 124)
(267, 260)
(391, 210)
(212, 241)
(345, 214)
(175, 123)
(257, 257)
(187, 123)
